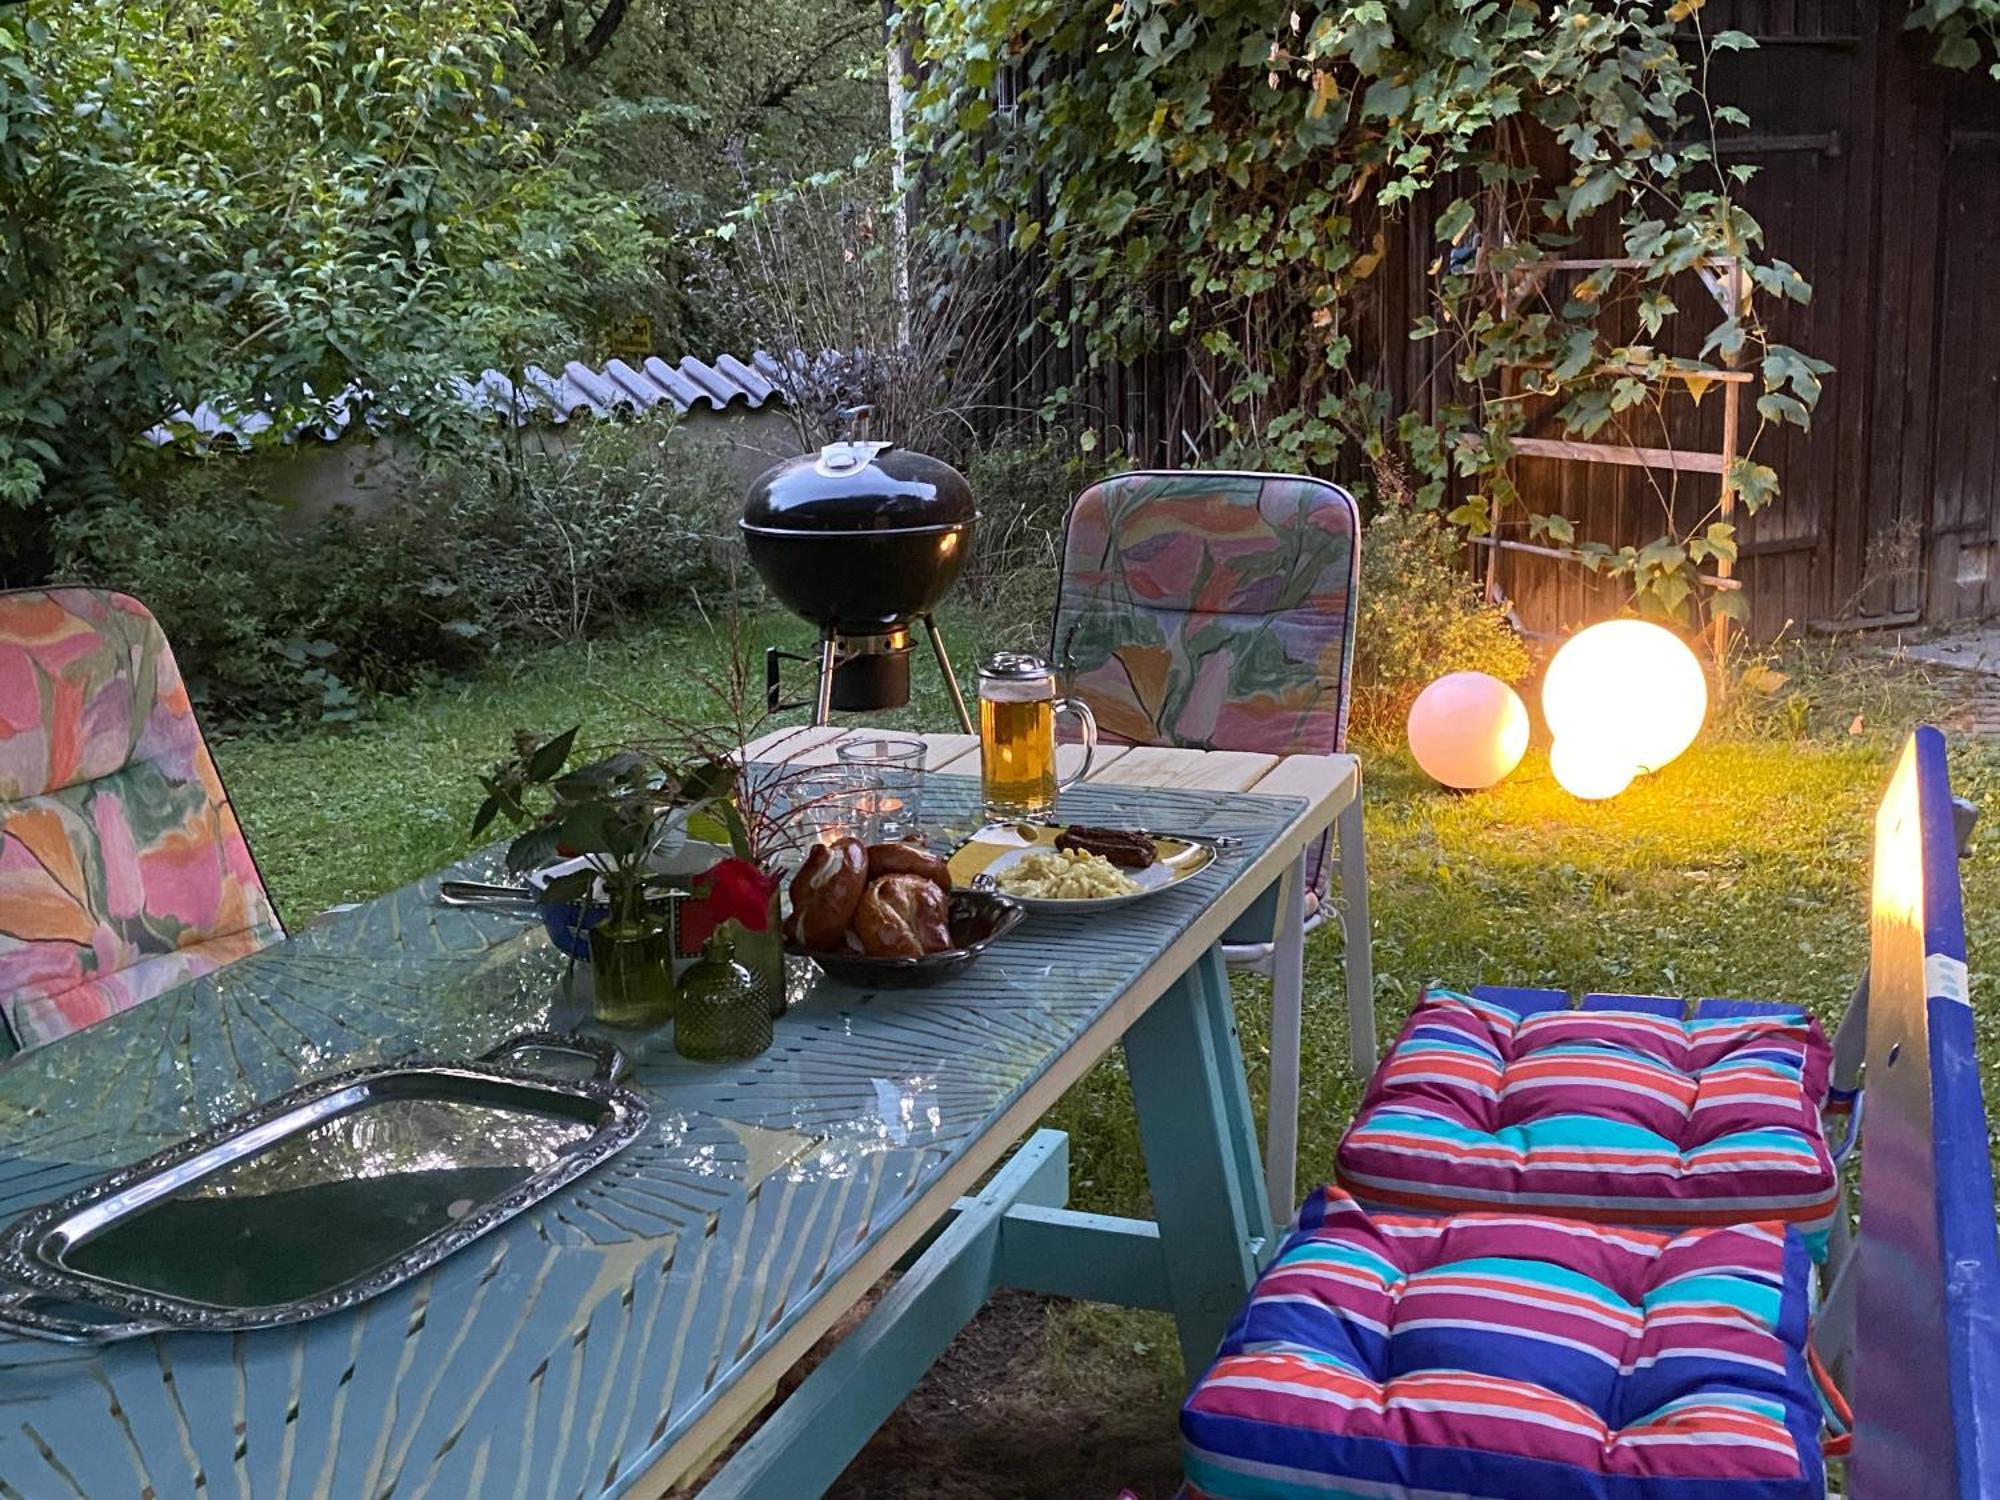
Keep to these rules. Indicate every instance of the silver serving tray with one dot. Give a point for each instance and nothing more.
(318, 1200)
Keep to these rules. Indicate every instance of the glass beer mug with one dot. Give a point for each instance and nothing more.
(1017, 735)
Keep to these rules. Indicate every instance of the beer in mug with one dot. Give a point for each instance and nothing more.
(1017, 736)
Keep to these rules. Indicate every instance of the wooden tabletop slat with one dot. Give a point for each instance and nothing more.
(1209, 770)
(964, 759)
(1312, 776)
(789, 743)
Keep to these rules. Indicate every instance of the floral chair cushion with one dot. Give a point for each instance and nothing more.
(122, 869)
(1512, 1357)
(1214, 611)
(1625, 1111)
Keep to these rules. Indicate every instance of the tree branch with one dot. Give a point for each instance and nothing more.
(601, 31)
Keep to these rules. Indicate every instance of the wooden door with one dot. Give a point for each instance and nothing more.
(1964, 552)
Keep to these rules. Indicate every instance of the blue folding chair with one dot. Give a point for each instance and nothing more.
(1925, 1341)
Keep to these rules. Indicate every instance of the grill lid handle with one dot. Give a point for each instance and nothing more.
(846, 458)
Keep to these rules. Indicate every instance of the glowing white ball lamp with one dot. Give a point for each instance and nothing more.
(1468, 730)
(1621, 698)
(1590, 769)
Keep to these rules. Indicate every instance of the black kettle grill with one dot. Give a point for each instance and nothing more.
(862, 539)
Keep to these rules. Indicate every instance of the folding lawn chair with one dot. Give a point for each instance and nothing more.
(123, 871)
(1216, 611)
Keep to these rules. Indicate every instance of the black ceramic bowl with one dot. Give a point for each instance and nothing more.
(977, 919)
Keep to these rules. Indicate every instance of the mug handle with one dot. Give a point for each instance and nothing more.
(1089, 722)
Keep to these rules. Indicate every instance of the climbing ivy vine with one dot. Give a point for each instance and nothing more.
(1966, 31)
(1229, 176)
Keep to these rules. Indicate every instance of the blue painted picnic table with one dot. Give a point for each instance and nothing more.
(609, 1340)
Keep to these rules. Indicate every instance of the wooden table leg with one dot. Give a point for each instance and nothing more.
(1288, 990)
(1200, 1144)
(1357, 939)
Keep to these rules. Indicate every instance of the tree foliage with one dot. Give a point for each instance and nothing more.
(1230, 175)
(700, 107)
(265, 201)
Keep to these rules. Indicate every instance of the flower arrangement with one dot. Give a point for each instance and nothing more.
(626, 812)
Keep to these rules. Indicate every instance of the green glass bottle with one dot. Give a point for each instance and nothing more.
(724, 1013)
(632, 974)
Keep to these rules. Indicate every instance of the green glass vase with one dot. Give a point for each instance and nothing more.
(763, 954)
(632, 974)
(724, 1014)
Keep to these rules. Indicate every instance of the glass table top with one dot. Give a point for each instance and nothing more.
(607, 1317)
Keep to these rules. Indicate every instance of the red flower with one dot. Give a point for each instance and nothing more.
(734, 890)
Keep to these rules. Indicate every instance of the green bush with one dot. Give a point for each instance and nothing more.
(1024, 489)
(1421, 615)
(623, 520)
(273, 618)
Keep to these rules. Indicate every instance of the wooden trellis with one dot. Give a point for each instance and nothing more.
(1730, 288)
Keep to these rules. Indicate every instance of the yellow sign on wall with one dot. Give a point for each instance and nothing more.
(632, 340)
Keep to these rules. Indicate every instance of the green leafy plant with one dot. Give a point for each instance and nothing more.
(1025, 483)
(1231, 180)
(611, 813)
(1420, 616)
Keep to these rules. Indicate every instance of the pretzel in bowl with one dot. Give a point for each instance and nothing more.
(903, 916)
(883, 901)
(908, 859)
(826, 893)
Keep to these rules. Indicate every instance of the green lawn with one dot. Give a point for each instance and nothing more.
(1740, 870)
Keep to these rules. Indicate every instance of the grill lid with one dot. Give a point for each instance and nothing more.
(860, 486)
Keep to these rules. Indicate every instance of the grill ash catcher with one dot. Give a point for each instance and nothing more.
(862, 540)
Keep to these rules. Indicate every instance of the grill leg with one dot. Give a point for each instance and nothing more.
(829, 653)
(950, 677)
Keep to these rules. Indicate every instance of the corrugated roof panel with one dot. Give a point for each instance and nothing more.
(684, 393)
(634, 384)
(746, 379)
(721, 390)
(602, 393)
(539, 395)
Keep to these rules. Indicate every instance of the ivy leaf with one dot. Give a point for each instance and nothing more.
(1455, 220)
(1753, 483)
(1959, 51)
(1721, 540)
(1594, 556)
(1472, 515)
(1558, 529)
(1385, 97)
(1591, 194)
(1776, 408)
(1730, 604)
(1672, 590)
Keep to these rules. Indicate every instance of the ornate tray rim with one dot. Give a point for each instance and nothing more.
(35, 1278)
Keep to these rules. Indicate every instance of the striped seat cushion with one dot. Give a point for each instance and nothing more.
(1512, 1357)
(1621, 1112)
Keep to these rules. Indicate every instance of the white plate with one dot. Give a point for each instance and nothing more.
(996, 846)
